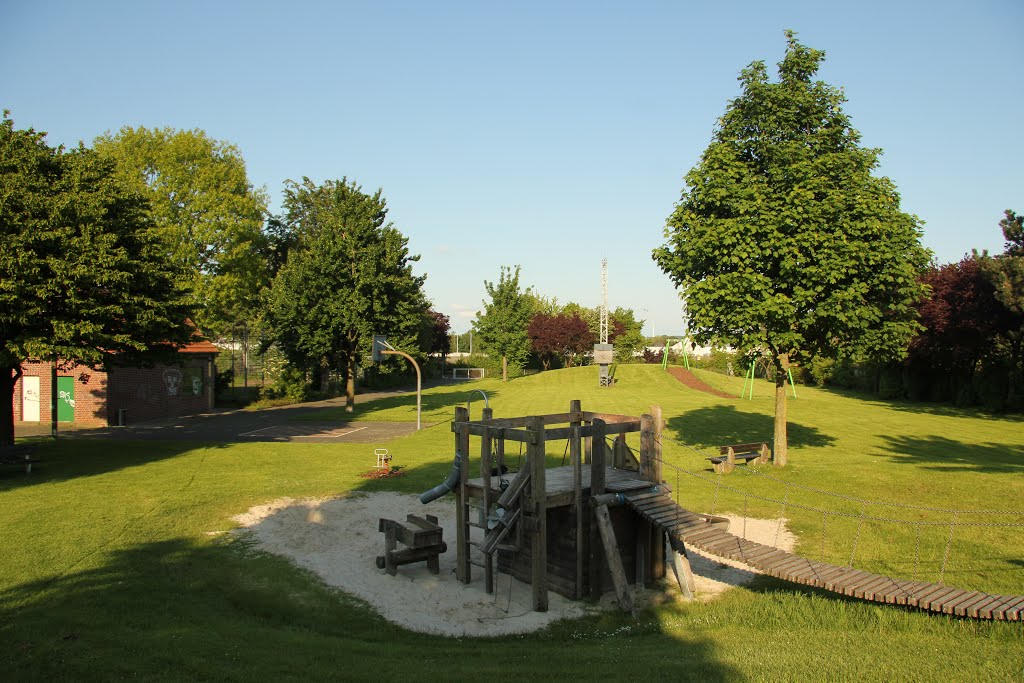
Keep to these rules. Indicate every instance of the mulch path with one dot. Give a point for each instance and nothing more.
(690, 380)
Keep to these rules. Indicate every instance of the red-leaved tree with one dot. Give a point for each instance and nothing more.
(563, 336)
(961, 319)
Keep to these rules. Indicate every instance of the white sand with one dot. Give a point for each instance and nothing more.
(337, 538)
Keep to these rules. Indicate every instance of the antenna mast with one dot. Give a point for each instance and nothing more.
(604, 301)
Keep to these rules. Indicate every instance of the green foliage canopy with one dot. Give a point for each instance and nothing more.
(783, 240)
(347, 277)
(83, 277)
(504, 321)
(207, 212)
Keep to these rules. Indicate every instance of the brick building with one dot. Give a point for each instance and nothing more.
(118, 395)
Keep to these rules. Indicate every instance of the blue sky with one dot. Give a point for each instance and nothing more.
(544, 134)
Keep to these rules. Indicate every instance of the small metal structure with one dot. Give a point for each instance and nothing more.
(383, 460)
(469, 402)
(604, 353)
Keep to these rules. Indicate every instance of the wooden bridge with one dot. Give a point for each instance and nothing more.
(685, 527)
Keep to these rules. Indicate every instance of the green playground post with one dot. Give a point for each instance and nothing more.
(749, 377)
(791, 384)
(664, 357)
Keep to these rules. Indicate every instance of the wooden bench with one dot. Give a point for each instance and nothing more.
(746, 452)
(19, 456)
(422, 539)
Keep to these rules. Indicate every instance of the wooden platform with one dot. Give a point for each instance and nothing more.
(560, 485)
(694, 530)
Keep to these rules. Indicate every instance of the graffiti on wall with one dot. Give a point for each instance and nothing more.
(172, 380)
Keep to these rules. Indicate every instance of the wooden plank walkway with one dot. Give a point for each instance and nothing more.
(694, 530)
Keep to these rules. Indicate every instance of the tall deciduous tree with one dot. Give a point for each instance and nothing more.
(83, 278)
(783, 241)
(207, 212)
(1006, 273)
(348, 276)
(503, 323)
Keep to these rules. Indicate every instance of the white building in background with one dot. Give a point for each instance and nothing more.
(677, 348)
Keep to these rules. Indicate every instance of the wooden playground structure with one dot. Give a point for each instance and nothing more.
(608, 520)
(565, 528)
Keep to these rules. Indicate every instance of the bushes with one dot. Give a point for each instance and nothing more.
(291, 384)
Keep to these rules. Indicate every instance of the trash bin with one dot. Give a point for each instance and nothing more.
(122, 417)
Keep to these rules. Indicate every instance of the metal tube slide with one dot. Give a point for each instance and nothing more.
(445, 486)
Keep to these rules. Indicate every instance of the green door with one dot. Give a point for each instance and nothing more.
(65, 399)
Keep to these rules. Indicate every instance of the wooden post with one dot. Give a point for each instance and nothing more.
(485, 500)
(603, 522)
(597, 479)
(681, 568)
(575, 413)
(659, 535)
(390, 544)
(538, 506)
(462, 572)
(580, 508)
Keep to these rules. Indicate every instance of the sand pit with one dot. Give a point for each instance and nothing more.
(337, 538)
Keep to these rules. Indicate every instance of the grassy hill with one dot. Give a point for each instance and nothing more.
(109, 568)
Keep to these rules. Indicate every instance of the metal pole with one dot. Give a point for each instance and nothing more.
(53, 398)
(419, 385)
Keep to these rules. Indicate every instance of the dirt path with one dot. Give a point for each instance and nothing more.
(690, 380)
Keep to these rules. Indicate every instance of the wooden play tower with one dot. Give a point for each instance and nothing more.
(560, 528)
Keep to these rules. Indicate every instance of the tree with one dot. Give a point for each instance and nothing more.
(1013, 231)
(783, 241)
(563, 335)
(435, 337)
(961, 321)
(83, 278)
(1006, 273)
(503, 323)
(207, 212)
(347, 277)
(625, 333)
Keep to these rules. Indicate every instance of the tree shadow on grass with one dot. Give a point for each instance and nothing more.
(722, 425)
(228, 611)
(70, 458)
(439, 401)
(948, 455)
(927, 408)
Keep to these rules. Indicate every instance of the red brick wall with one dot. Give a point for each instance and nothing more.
(90, 392)
(161, 391)
(146, 393)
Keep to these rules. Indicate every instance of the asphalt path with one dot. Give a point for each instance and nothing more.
(283, 423)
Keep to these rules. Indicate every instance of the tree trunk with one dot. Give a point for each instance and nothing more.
(781, 451)
(504, 368)
(8, 378)
(350, 386)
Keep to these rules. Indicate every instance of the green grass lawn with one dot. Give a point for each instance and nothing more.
(111, 567)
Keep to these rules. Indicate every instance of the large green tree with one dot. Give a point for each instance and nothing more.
(783, 241)
(1006, 272)
(83, 277)
(503, 324)
(348, 276)
(207, 212)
